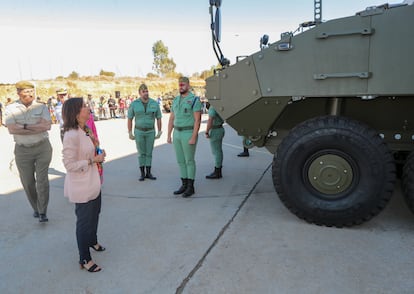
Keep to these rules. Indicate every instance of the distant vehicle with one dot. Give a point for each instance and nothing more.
(334, 102)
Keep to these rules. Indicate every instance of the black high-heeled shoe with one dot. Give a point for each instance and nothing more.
(94, 268)
(99, 249)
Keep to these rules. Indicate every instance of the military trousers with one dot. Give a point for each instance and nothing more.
(216, 144)
(144, 141)
(185, 153)
(33, 165)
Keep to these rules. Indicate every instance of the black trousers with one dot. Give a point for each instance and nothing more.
(87, 226)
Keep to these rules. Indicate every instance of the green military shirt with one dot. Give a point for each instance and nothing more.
(183, 108)
(144, 116)
(217, 120)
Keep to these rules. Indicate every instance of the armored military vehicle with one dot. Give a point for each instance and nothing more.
(334, 102)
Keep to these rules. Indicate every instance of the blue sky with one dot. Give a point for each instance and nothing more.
(47, 38)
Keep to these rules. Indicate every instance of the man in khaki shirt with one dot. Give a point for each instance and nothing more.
(28, 121)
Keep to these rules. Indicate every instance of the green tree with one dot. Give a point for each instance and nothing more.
(106, 73)
(162, 65)
(207, 73)
(151, 75)
(73, 75)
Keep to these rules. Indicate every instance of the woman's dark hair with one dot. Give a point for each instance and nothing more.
(70, 110)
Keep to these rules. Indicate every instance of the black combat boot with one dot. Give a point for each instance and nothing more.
(245, 153)
(219, 172)
(216, 174)
(182, 188)
(190, 188)
(142, 177)
(149, 175)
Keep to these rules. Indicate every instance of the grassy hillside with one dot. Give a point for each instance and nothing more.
(102, 85)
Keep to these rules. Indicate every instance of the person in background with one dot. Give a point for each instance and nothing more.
(121, 103)
(245, 153)
(145, 110)
(204, 106)
(185, 119)
(215, 132)
(91, 104)
(28, 121)
(82, 182)
(51, 110)
(61, 94)
(112, 106)
(128, 102)
(101, 107)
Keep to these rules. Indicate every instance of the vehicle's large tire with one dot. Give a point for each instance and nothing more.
(408, 181)
(334, 171)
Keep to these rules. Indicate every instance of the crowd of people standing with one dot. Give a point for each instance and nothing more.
(101, 108)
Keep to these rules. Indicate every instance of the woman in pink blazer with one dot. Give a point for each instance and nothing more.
(82, 182)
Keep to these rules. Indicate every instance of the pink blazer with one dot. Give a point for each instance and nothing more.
(82, 181)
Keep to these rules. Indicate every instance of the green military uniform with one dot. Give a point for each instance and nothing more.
(216, 137)
(183, 109)
(145, 115)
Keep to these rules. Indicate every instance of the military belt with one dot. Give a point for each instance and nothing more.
(144, 129)
(33, 145)
(217, 127)
(183, 128)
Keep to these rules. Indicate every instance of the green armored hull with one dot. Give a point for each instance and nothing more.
(335, 105)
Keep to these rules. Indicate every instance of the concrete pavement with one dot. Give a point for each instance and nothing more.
(232, 236)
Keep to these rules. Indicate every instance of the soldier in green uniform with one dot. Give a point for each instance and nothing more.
(215, 132)
(145, 110)
(185, 118)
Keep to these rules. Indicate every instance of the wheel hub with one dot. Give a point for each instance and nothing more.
(330, 174)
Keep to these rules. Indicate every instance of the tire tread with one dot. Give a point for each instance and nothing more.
(353, 126)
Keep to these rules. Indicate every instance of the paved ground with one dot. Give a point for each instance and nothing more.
(233, 236)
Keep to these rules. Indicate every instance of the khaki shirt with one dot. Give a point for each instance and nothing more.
(17, 113)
